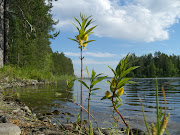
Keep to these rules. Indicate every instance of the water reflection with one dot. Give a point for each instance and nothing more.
(44, 99)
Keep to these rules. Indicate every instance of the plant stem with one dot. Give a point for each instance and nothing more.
(118, 111)
(84, 110)
(157, 109)
(89, 113)
(81, 86)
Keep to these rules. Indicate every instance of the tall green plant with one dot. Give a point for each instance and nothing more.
(117, 83)
(82, 40)
(94, 79)
(161, 118)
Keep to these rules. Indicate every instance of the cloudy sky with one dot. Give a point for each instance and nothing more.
(135, 26)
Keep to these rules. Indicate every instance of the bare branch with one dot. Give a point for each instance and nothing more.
(22, 16)
(32, 29)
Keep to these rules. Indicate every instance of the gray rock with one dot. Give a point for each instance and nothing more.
(9, 129)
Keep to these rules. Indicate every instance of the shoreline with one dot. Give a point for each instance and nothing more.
(16, 112)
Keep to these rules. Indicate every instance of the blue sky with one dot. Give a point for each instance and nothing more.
(135, 26)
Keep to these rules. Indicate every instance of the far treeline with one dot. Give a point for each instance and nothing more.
(159, 65)
(28, 28)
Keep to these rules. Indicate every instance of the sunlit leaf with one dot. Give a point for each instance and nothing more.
(127, 71)
(122, 82)
(89, 41)
(77, 21)
(104, 98)
(98, 80)
(113, 71)
(84, 84)
(95, 89)
(74, 40)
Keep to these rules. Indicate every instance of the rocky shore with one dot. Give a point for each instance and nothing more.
(17, 119)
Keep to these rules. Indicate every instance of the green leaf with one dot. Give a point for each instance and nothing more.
(92, 76)
(76, 26)
(118, 106)
(88, 23)
(107, 81)
(119, 100)
(74, 40)
(131, 82)
(122, 82)
(89, 30)
(88, 41)
(113, 71)
(77, 21)
(95, 89)
(87, 72)
(104, 98)
(84, 84)
(127, 71)
(98, 75)
(98, 80)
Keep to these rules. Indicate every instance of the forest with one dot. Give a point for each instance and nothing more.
(159, 65)
(28, 28)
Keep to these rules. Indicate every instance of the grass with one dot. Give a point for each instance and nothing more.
(29, 73)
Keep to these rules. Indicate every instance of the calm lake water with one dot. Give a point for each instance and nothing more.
(43, 99)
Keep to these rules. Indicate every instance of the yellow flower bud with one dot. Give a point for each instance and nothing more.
(120, 91)
(108, 94)
(84, 45)
(153, 129)
(77, 37)
(86, 37)
(165, 122)
(80, 42)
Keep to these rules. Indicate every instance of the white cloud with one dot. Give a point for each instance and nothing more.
(98, 54)
(140, 20)
(95, 62)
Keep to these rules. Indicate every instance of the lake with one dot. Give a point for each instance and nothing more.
(43, 99)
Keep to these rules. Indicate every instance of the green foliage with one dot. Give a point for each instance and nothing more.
(94, 79)
(29, 73)
(31, 28)
(161, 118)
(117, 83)
(61, 64)
(82, 40)
(83, 31)
(159, 65)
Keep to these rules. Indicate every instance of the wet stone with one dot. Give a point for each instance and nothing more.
(9, 129)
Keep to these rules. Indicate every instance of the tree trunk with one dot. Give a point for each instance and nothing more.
(6, 33)
(1, 32)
